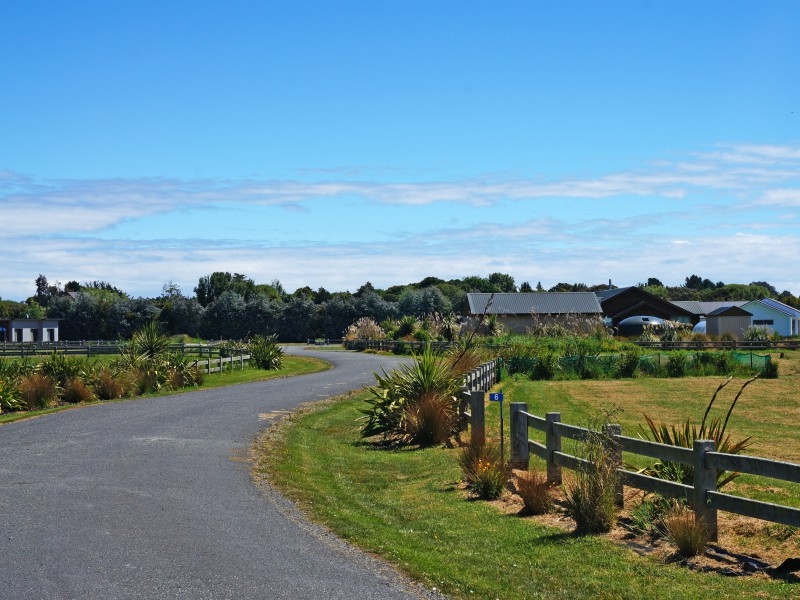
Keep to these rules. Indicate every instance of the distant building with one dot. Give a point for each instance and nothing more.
(621, 303)
(731, 320)
(517, 312)
(28, 330)
(777, 316)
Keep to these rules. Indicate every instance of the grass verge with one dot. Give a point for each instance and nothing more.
(405, 506)
(292, 366)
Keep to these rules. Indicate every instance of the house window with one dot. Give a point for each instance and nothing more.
(34, 335)
(51, 335)
(763, 322)
(18, 335)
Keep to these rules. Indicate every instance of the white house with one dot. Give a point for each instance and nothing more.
(28, 330)
(779, 317)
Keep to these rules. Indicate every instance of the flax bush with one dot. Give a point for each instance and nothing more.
(684, 436)
(9, 396)
(415, 403)
(265, 353)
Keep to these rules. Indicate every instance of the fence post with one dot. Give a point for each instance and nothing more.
(519, 435)
(705, 480)
(553, 444)
(478, 433)
(615, 456)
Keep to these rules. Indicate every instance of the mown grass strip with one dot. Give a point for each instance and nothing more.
(404, 506)
(292, 367)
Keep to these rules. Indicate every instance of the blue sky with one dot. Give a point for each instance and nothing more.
(327, 144)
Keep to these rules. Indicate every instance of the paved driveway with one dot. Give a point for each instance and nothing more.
(151, 499)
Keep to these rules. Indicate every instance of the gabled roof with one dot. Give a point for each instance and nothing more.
(729, 311)
(604, 295)
(781, 307)
(703, 308)
(544, 303)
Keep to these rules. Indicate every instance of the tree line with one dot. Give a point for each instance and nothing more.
(233, 306)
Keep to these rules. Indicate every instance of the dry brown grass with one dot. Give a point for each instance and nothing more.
(767, 410)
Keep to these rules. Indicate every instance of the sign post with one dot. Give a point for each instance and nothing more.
(498, 397)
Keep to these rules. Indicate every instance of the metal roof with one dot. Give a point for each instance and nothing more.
(604, 295)
(781, 307)
(729, 311)
(545, 303)
(703, 308)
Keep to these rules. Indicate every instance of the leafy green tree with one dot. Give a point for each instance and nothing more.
(525, 287)
(502, 282)
(211, 287)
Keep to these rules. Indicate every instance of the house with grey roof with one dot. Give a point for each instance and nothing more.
(517, 312)
(619, 304)
(777, 316)
(701, 309)
(29, 330)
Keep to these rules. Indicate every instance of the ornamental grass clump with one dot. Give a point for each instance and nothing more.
(76, 391)
(37, 391)
(591, 497)
(536, 493)
(364, 329)
(110, 386)
(689, 534)
(483, 469)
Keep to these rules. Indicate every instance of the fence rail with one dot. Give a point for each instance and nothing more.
(706, 462)
(218, 364)
(792, 344)
(93, 348)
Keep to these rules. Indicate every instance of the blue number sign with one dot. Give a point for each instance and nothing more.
(496, 397)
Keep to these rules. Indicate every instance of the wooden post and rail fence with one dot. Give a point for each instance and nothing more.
(703, 458)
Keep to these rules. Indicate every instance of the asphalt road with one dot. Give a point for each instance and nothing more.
(153, 498)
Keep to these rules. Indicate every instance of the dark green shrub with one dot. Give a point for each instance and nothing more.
(725, 363)
(627, 364)
(677, 364)
(401, 348)
(770, 369)
(546, 367)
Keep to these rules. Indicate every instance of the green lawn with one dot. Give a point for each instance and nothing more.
(404, 505)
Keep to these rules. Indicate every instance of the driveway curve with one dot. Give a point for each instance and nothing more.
(153, 498)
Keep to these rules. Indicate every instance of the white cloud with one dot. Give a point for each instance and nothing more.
(734, 188)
